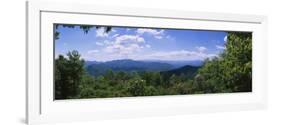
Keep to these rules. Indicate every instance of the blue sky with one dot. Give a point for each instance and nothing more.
(140, 43)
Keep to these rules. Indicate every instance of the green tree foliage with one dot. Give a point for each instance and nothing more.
(137, 87)
(69, 72)
(232, 70)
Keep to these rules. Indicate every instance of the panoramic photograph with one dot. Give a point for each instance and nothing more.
(92, 61)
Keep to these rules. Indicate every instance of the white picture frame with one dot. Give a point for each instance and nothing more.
(41, 108)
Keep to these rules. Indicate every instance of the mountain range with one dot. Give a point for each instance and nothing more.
(178, 64)
(96, 68)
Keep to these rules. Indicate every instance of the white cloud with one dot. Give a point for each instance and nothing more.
(113, 30)
(129, 38)
(220, 47)
(106, 42)
(180, 55)
(125, 45)
(93, 51)
(150, 31)
(115, 35)
(201, 49)
(158, 34)
(131, 46)
(170, 37)
(99, 43)
(158, 37)
(225, 39)
(147, 46)
(114, 50)
(122, 49)
(100, 32)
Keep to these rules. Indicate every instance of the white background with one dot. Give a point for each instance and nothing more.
(12, 63)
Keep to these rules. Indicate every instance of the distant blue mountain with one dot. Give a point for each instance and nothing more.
(178, 64)
(87, 63)
(126, 65)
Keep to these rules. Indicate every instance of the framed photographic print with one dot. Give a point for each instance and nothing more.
(87, 62)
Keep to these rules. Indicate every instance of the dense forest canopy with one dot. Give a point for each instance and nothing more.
(230, 72)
